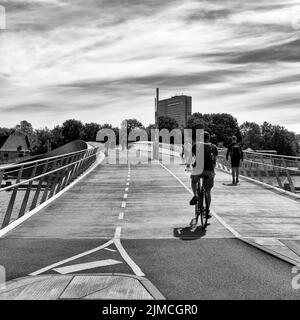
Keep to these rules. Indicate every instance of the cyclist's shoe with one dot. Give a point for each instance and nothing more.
(237, 181)
(194, 200)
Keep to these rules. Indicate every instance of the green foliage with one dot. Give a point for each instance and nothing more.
(131, 124)
(89, 131)
(71, 130)
(269, 137)
(168, 123)
(221, 126)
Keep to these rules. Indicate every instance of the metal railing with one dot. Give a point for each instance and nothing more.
(32, 183)
(272, 159)
(263, 170)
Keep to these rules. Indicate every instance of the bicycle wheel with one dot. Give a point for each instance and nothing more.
(203, 211)
(197, 207)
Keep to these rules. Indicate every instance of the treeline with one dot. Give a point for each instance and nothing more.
(221, 126)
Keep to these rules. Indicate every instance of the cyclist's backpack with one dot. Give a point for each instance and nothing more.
(236, 151)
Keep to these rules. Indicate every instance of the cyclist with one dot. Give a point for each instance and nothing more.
(236, 155)
(207, 172)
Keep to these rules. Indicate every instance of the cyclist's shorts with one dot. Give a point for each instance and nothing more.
(208, 179)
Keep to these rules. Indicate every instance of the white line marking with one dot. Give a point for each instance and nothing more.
(121, 215)
(14, 224)
(127, 183)
(125, 196)
(108, 249)
(126, 189)
(86, 266)
(234, 232)
(118, 232)
(123, 204)
(135, 268)
(54, 265)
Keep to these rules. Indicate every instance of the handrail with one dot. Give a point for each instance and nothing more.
(286, 178)
(268, 155)
(63, 169)
(267, 165)
(40, 160)
(44, 174)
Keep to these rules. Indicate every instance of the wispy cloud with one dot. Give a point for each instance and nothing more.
(103, 59)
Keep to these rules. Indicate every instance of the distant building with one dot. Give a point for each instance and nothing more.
(14, 147)
(177, 107)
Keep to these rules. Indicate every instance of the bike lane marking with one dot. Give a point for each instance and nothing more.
(232, 230)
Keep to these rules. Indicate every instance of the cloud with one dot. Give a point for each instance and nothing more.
(104, 58)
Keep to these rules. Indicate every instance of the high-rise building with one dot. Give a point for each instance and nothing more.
(177, 107)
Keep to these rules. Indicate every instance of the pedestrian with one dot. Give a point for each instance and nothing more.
(236, 155)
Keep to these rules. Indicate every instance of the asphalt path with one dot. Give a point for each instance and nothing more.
(180, 263)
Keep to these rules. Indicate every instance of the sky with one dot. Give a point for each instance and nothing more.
(101, 60)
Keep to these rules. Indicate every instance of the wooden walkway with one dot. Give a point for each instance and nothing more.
(256, 213)
(156, 207)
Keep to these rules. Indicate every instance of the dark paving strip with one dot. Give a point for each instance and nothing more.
(212, 269)
(23, 256)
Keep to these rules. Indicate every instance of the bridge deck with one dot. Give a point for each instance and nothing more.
(149, 217)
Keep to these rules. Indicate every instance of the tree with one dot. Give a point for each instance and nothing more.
(284, 141)
(252, 135)
(168, 123)
(71, 130)
(221, 126)
(131, 124)
(89, 131)
(278, 138)
(44, 138)
(6, 132)
(57, 139)
(26, 128)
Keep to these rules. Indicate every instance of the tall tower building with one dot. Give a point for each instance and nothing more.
(177, 107)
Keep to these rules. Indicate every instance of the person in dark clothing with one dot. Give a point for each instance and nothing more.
(236, 155)
(203, 168)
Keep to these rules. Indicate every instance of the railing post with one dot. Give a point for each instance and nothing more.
(1, 177)
(277, 174)
(12, 200)
(292, 187)
(38, 189)
(26, 196)
(48, 184)
(63, 175)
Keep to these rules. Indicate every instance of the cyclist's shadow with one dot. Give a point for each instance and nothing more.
(188, 233)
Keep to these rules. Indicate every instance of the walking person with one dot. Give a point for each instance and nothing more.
(236, 155)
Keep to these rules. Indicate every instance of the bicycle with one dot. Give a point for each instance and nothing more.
(201, 207)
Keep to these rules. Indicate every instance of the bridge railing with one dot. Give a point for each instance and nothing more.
(274, 159)
(284, 177)
(26, 185)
